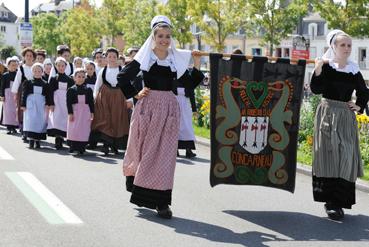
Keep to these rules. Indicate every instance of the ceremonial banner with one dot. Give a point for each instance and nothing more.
(255, 110)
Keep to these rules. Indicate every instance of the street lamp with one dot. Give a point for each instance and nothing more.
(26, 10)
(198, 38)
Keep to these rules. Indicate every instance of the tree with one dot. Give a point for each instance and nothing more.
(177, 12)
(216, 18)
(46, 32)
(82, 30)
(350, 16)
(7, 51)
(137, 16)
(110, 16)
(277, 18)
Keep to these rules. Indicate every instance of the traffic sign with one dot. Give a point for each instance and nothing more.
(25, 34)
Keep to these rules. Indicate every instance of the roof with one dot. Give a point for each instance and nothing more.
(11, 17)
(313, 17)
(55, 6)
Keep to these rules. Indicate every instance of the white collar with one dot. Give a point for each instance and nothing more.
(350, 67)
(168, 61)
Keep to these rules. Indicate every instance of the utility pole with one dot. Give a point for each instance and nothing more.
(198, 38)
(26, 11)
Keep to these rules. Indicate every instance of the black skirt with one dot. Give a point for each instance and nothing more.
(338, 191)
(77, 145)
(186, 145)
(56, 133)
(34, 135)
(148, 198)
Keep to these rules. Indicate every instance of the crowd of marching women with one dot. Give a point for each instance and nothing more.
(42, 98)
(78, 103)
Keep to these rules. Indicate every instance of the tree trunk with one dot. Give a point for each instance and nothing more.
(271, 47)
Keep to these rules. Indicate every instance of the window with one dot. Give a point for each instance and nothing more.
(362, 58)
(312, 52)
(256, 51)
(3, 29)
(325, 29)
(278, 52)
(286, 52)
(198, 29)
(195, 29)
(313, 30)
(227, 49)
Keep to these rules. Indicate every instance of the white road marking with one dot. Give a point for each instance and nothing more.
(4, 155)
(49, 206)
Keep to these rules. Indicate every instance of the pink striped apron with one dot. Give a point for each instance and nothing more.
(79, 129)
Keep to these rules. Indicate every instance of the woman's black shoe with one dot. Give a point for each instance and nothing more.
(177, 153)
(11, 131)
(91, 146)
(24, 138)
(190, 154)
(115, 150)
(341, 213)
(105, 149)
(164, 213)
(58, 143)
(38, 144)
(333, 212)
(31, 144)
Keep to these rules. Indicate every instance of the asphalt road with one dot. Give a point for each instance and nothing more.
(91, 187)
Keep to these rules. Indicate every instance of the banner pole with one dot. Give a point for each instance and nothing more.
(206, 54)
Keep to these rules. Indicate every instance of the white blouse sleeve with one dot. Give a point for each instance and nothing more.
(17, 81)
(98, 84)
(52, 73)
(130, 100)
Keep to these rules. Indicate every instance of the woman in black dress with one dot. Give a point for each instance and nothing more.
(337, 161)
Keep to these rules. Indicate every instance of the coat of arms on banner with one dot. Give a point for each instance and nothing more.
(254, 133)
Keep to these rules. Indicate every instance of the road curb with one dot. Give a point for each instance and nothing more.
(301, 168)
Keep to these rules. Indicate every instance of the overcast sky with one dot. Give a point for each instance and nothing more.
(17, 6)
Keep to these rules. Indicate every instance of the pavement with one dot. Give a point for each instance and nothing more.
(301, 168)
(51, 198)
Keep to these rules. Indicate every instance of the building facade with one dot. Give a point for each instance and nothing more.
(313, 27)
(9, 28)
